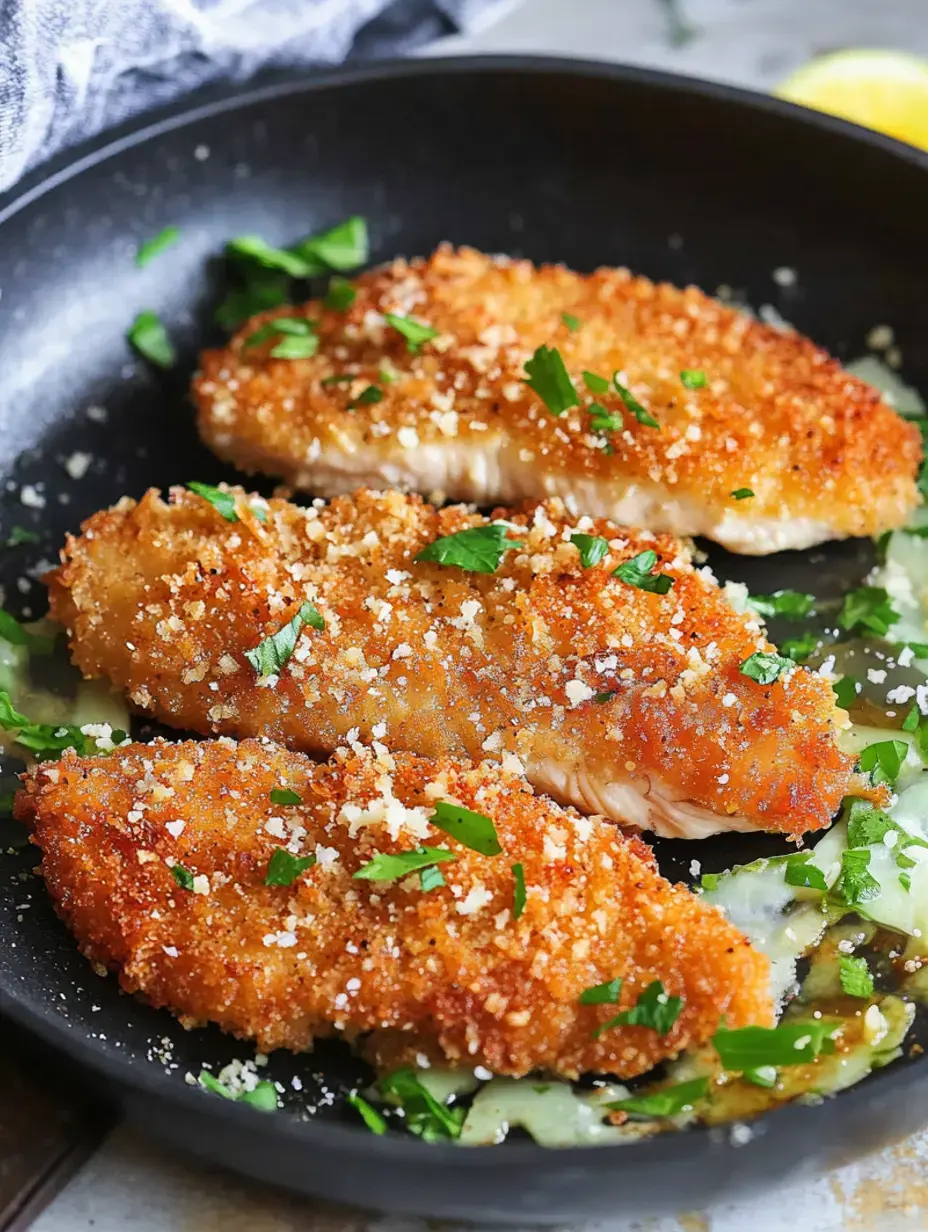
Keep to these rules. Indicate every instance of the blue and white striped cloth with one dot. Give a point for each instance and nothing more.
(71, 68)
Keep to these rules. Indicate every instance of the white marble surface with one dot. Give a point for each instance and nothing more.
(133, 1185)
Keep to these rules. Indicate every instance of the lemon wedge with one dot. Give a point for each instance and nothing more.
(884, 90)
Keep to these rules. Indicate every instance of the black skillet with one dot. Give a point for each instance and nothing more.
(558, 160)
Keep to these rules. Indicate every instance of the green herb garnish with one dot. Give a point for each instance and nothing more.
(788, 604)
(222, 502)
(595, 384)
(284, 868)
(606, 696)
(855, 976)
(752, 1048)
(883, 760)
(741, 493)
(592, 548)
(182, 876)
(868, 609)
(479, 549)
(370, 1116)
(156, 245)
(664, 1103)
(799, 872)
(271, 654)
(637, 572)
(846, 690)
(602, 994)
(573, 323)
(367, 397)
(20, 534)
(766, 667)
(44, 740)
(632, 404)
(13, 632)
(338, 378)
(424, 1115)
(343, 247)
(262, 289)
(473, 830)
(549, 378)
(413, 331)
(693, 378)
(431, 878)
(602, 420)
(299, 341)
(518, 891)
(385, 867)
(855, 885)
(340, 295)
(263, 1096)
(654, 1009)
(283, 795)
(799, 648)
(150, 339)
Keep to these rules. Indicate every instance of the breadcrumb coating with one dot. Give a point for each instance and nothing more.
(450, 968)
(821, 454)
(618, 700)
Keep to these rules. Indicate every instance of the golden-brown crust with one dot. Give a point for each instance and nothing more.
(450, 968)
(165, 599)
(779, 416)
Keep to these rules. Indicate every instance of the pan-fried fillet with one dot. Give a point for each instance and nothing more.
(451, 966)
(620, 701)
(823, 456)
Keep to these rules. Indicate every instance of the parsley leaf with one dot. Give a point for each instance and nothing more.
(762, 1076)
(338, 378)
(150, 339)
(156, 245)
(606, 696)
(653, 1009)
(479, 549)
(425, 1116)
(343, 247)
(766, 667)
(261, 289)
(637, 572)
(846, 690)
(518, 891)
(371, 1118)
(867, 609)
(573, 323)
(592, 548)
(667, 1102)
(367, 397)
(431, 878)
(789, 604)
(693, 378)
(263, 1096)
(289, 261)
(855, 976)
(284, 868)
(602, 994)
(799, 872)
(883, 760)
(602, 420)
(13, 632)
(296, 347)
(340, 295)
(182, 876)
(549, 378)
(855, 884)
(298, 333)
(271, 654)
(741, 493)
(595, 384)
(632, 404)
(799, 648)
(386, 867)
(44, 740)
(752, 1048)
(19, 535)
(283, 795)
(413, 331)
(472, 829)
(222, 502)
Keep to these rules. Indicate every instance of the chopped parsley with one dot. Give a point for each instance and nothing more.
(287, 260)
(370, 1116)
(693, 378)
(855, 885)
(340, 295)
(413, 331)
(595, 384)
(182, 876)
(473, 830)
(385, 867)
(592, 548)
(602, 420)
(270, 655)
(855, 976)
(654, 1009)
(765, 667)
(338, 378)
(150, 339)
(883, 760)
(788, 604)
(261, 289)
(602, 994)
(846, 690)
(343, 247)
(753, 1048)
(741, 493)
(762, 1076)
(799, 648)
(914, 723)
(549, 378)
(424, 1115)
(632, 404)
(573, 323)
(367, 397)
(45, 740)
(13, 632)
(284, 868)
(431, 878)
(222, 502)
(479, 549)
(263, 1096)
(20, 534)
(867, 610)
(518, 891)
(637, 572)
(667, 1102)
(799, 872)
(299, 341)
(283, 795)
(606, 696)
(156, 245)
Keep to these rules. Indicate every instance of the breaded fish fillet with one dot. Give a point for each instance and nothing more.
(822, 456)
(615, 699)
(157, 858)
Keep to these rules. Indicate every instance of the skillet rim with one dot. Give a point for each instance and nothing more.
(148, 1079)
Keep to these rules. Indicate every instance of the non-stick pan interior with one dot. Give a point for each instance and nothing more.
(576, 163)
